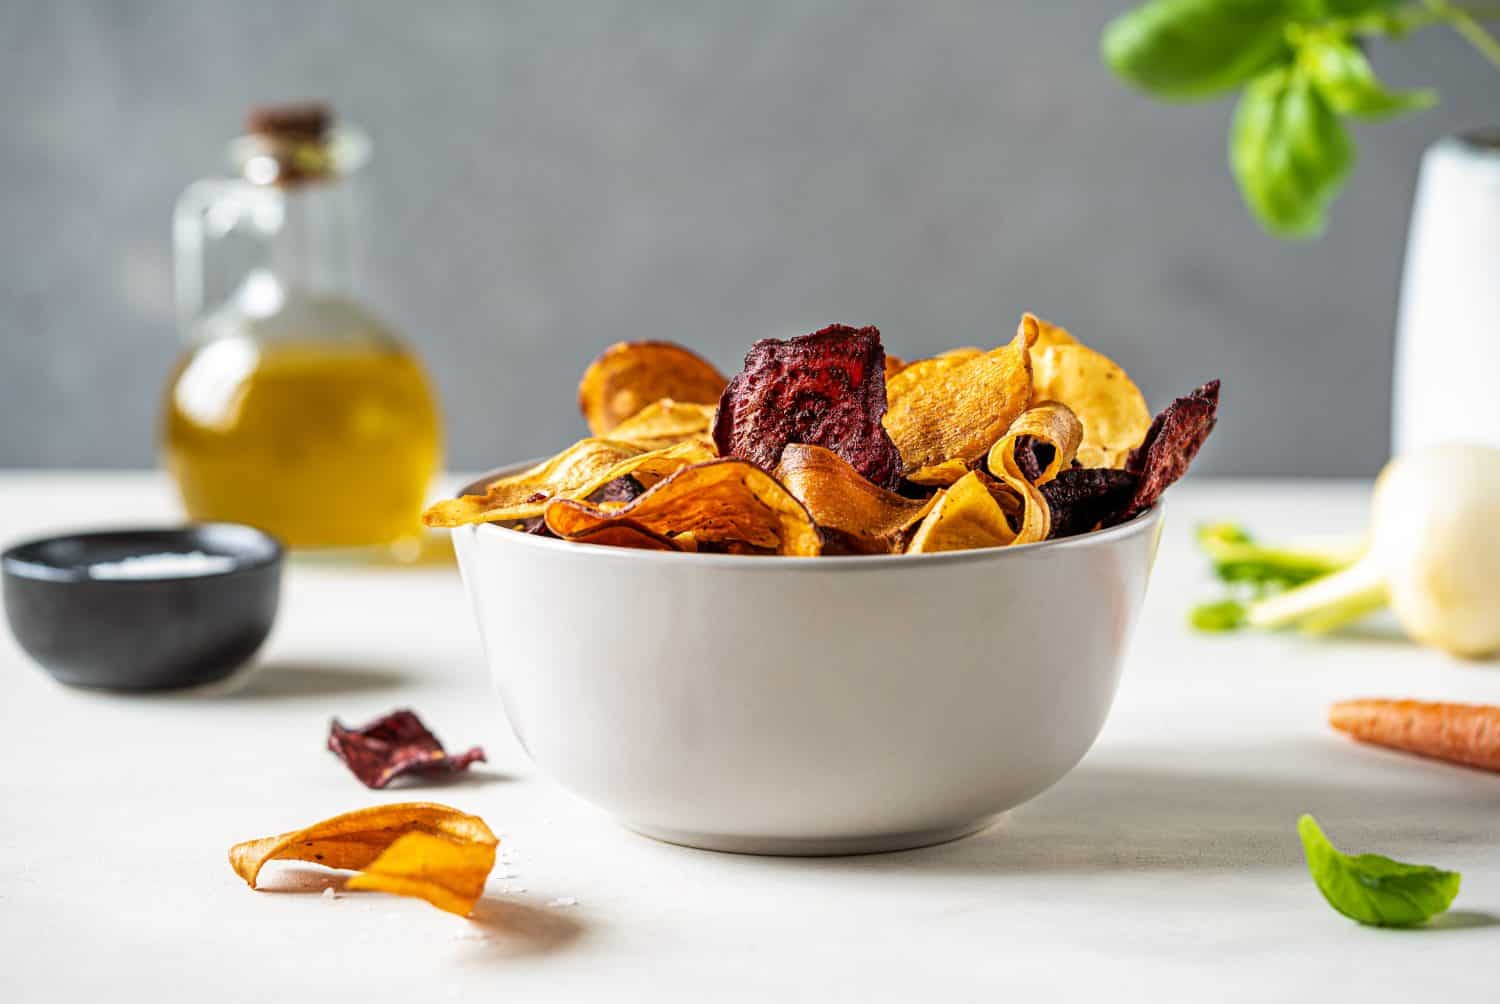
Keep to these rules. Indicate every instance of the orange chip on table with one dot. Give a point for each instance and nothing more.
(957, 412)
(854, 514)
(447, 867)
(628, 376)
(447, 873)
(725, 501)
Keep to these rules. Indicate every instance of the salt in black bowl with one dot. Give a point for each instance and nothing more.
(147, 629)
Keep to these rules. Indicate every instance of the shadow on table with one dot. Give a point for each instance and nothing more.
(1162, 815)
(1457, 920)
(513, 929)
(283, 679)
(500, 928)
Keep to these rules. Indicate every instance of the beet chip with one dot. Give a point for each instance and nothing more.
(1170, 445)
(824, 389)
(394, 745)
(622, 489)
(1083, 497)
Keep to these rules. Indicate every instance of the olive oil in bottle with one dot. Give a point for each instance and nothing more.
(295, 409)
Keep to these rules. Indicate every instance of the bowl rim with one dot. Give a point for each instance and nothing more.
(14, 563)
(1136, 525)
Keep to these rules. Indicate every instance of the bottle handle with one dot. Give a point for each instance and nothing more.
(207, 214)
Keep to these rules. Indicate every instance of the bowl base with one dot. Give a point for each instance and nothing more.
(814, 847)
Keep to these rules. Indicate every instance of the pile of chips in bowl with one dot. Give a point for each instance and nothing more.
(823, 445)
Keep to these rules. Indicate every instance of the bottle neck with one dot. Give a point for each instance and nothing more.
(311, 252)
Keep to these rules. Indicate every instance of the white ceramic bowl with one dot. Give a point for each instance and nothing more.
(832, 705)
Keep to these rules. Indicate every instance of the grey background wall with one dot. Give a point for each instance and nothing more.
(554, 176)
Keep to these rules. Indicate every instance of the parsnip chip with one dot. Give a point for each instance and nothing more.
(579, 469)
(628, 376)
(1113, 412)
(1047, 334)
(1048, 424)
(966, 515)
(855, 515)
(450, 875)
(665, 423)
(958, 412)
(576, 473)
(721, 501)
(940, 475)
(650, 467)
(361, 839)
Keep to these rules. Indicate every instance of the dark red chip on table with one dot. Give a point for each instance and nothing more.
(1083, 497)
(1170, 445)
(394, 745)
(824, 389)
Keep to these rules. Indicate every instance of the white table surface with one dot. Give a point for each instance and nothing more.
(1165, 867)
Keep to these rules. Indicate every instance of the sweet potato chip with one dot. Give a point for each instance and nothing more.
(958, 412)
(826, 389)
(1082, 498)
(721, 501)
(1113, 412)
(861, 517)
(964, 516)
(628, 376)
(627, 534)
(580, 468)
(1171, 444)
(664, 423)
(451, 879)
(893, 365)
(393, 745)
(914, 373)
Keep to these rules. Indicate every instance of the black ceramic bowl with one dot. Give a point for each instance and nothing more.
(145, 631)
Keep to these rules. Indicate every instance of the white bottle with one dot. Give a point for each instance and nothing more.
(1447, 381)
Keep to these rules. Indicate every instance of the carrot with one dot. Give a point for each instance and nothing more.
(1459, 733)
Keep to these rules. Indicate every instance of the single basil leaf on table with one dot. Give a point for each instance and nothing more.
(1289, 153)
(1373, 889)
(1196, 48)
(1347, 81)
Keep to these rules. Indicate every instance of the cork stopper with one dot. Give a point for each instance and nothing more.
(288, 145)
(306, 121)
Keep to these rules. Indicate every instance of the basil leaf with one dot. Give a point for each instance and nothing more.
(1348, 82)
(1289, 153)
(1196, 48)
(1373, 889)
(1314, 10)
